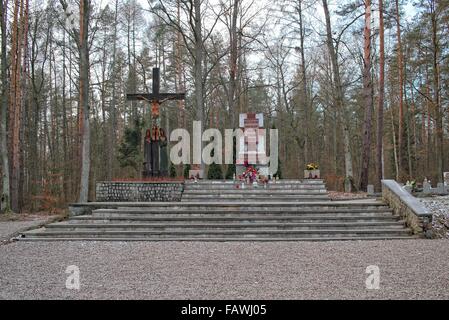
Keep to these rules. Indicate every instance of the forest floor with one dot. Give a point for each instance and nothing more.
(439, 206)
(409, 269)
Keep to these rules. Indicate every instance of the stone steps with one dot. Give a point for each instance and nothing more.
(255, 198)
(261, 191)
(208, 211)
(306, 196)
(218, 239)
(283, 181)
(234, 215)
(281, 191)
(243, 205)
(239, 225)
(232, 219)
(232, 185)
(217, 211)
(227, 233)
(295, 207)
(260, 187)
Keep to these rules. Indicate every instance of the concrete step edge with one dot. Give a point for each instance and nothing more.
(225, 225)
(267, 239)
(207, 232)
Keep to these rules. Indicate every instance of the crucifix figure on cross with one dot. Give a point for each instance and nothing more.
(155, 144)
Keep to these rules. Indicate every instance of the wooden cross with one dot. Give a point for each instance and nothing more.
(156, 97)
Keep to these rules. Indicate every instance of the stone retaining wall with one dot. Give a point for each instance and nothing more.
(139, 191)
(417, 217)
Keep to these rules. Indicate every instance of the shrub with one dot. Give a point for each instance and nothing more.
(215, 172)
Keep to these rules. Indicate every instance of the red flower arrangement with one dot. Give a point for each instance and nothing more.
(250, 173)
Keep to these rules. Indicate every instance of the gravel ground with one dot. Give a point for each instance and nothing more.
(410, 269)
(439, 206)
(10, 228)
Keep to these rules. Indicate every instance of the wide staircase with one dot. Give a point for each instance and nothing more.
(287, 210)
(280, 191)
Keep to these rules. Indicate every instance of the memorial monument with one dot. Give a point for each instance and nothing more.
(156, 141)
(251, 148)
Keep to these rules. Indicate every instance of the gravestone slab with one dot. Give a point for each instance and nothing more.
(370, 190)
(427, 188)
(446, 178)
(440, 188)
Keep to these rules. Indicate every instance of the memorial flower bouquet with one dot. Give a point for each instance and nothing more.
(250, 174)
(312, 166)
(312, 171)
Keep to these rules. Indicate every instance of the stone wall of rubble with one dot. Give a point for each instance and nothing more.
(139, 191)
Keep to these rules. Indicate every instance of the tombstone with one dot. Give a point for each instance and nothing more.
(446, 178)
(427, 188)
(440, 188)
(252, 147)
(370, 190)
(409, 189)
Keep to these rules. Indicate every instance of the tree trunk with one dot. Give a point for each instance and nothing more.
(436, 94)
(84, 98)
(65, 130)
(401, 90)
(381, 102)
(395, 152)
(16, 101)
(199, 69)
(305, 95)
(5, 204)
(179, 87)
(112, 112)
(367, 84)
(233, 69)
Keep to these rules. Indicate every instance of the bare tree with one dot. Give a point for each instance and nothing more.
(5, 199)
(194, 35)
(81, 38)
(368, 98)
(16, 102)
(339, 98)
(401, 89)
(381, 102)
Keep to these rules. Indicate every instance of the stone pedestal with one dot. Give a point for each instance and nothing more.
(196, 174)
(312, 174)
